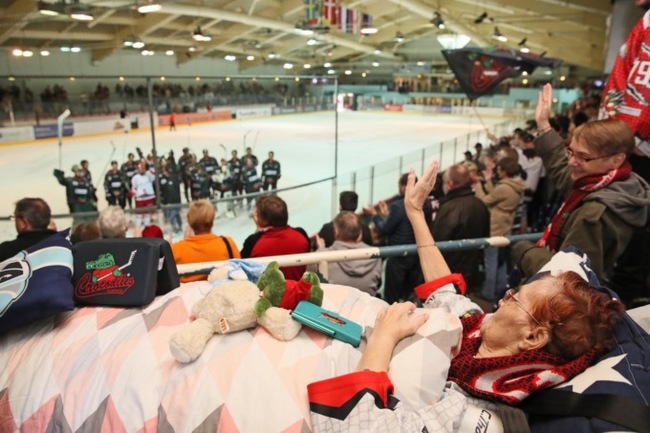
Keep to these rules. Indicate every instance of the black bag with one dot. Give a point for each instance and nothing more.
(123, 272)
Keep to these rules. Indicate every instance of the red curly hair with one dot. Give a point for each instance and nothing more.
(579, 317)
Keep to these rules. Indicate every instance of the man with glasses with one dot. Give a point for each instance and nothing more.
(604, 200)
(32, 219)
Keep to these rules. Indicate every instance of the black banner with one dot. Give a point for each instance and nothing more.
(479, 71)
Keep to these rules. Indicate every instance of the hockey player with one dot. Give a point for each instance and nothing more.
(270, 173)
(115, 186)
(210, 167)
(129, 168)
(143, 192)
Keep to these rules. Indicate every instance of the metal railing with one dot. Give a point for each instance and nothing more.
(322, 258)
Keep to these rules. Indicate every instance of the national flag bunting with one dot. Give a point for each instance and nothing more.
(331, 12)
(349, 20)
(312, 12)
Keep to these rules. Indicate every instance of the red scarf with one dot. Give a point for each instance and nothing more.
(581, 187)
(509, 379)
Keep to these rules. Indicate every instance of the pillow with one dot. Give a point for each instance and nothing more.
(623, 371)
(36, 283)
(420, 363)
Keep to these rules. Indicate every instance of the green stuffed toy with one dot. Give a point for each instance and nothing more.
(277, 292)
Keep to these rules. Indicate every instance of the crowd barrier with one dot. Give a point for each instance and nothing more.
(322, 258)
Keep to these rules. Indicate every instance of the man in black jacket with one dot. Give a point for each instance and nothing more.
(32, 219)
(461, 216)
(403, 274)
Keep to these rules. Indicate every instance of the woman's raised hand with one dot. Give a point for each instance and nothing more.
(417, 192)
(543, 110)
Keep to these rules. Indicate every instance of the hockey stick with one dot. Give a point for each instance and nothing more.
(257, 134)
(126, 265)
(225, 151)
(247, 132)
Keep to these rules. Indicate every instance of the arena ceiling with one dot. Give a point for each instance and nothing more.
(254, 31)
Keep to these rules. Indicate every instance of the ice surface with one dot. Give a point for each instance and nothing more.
(303, 143)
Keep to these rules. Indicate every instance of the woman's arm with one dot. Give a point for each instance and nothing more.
(392, 325)
(431, 260)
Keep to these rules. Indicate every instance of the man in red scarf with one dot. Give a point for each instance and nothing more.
(604, 201)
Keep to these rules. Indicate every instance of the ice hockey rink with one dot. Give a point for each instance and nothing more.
(306, 145)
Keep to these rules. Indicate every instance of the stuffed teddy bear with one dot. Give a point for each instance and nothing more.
(236, 305)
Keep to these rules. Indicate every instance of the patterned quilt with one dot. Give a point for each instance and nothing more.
(100, 369)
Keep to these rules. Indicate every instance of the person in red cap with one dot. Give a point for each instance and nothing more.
(152, 231)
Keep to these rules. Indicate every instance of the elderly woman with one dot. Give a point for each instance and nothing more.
(202, 245)
(542, 334)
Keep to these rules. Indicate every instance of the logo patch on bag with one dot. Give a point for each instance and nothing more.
(104, 277)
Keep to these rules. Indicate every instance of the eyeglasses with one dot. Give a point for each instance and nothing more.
(582, 159)
(510, 294)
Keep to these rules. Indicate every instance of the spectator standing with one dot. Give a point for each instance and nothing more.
(32, 217)
(364, 274)
(201, 245)
(502, 201)
(274, 237)
(270, 173)
(605, 201)
(115, 186)
(461, 216)
(403, 274)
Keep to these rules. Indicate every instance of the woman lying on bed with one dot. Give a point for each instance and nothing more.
(543, 334)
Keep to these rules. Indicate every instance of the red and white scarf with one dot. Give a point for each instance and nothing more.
(581, 187)
(509, 379)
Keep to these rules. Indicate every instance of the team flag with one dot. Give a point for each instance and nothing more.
(331, 12)
(480, 71)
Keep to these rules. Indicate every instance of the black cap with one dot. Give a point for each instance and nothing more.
(113, 162)
(186, 149)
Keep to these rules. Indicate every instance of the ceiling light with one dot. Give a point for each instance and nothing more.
(348, 72)
(199, 36)
(17, 52)
(138, 44)
(377, 52)
(287, 66)
(50, 9)
(368, 30)
(437, 20)
(399, 37)
(169, 52)
(65, 49)
(331, 71)
(498, 35)
(307, 66)
(272, 55)
(230, 57)
(375, 64)
(150, 7)
(250, 57)
(45, 53)
(75, 49)
(453, 41)
(80, 12)
(147, 52)
(522, 46)
(28, 53)
(312, 41)
(191, 49)
(327, 65)
(364, 74)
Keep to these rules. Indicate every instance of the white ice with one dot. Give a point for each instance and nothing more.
(303, 143)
